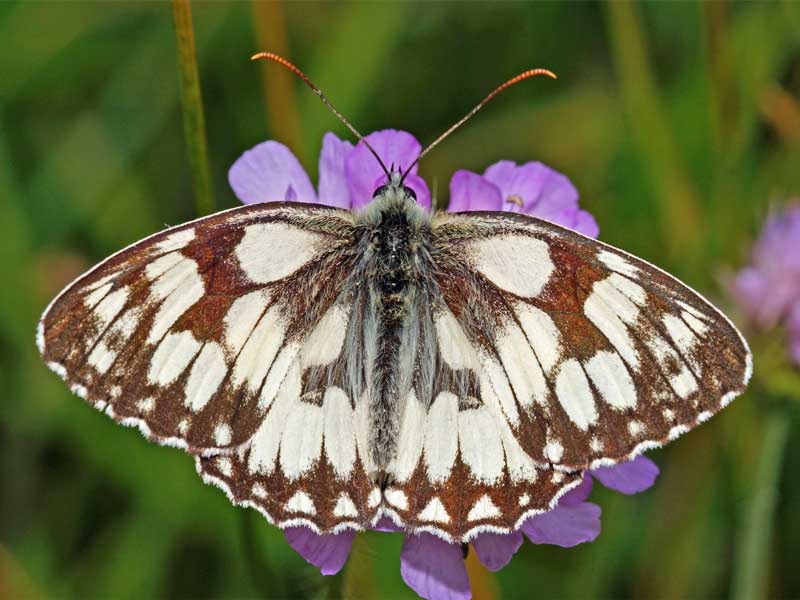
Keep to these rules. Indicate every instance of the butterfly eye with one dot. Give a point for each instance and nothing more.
(409, 192)
(380, 191)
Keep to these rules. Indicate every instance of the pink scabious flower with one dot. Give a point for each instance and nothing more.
(768, 290)
(348, 176)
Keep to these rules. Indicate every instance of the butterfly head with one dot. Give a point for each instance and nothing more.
(395, 188)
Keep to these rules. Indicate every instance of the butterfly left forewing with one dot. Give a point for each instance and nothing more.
(595, 355)
(176, 333)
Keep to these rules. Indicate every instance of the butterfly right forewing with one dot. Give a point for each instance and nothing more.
(595, 355)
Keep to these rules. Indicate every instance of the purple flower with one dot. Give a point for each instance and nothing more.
(768, 290)
(348, 176)
(532, 188)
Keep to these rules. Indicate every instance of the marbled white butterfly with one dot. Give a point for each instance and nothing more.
(456, 372)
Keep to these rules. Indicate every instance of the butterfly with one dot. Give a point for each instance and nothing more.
(456, 372)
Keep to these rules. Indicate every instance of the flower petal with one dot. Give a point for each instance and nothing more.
(577, 494)
(386, 525)
(328, 552)
(564, 526)
(583, 222)
(544, 192)
(333, 189)
(433, 568)
(629, 477)
(496, 550)
(470, 191)
(265, 173)
(397, 148)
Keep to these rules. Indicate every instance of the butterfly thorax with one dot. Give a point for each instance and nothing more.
(396, 232)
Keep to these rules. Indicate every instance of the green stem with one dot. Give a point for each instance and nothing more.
(194, 126)
(651, 129)
(752, 555)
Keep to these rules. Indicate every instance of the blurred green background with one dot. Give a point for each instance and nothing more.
(678, 123)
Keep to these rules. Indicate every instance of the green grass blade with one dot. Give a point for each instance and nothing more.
(194, 125)
(751, 563)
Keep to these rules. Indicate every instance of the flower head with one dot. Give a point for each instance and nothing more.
(768, 290)
(532, 188)
(348, 176)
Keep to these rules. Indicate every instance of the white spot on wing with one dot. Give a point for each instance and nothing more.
(456, 350)
(694, 323)
(176, 241)
(632, 291)
(553, 451)
(109, 307)
(517, 264)
(611, 324)
(179, 288)
(542, 334)
(97, 294)
(617, 263)
(575, 395)
(493, 377)
(242, 317)
(301, 439)
(172, 356)
(324, 343)
(271, 251)
(222, 434)
(483, 508)
(264, 447)
(102, 357)
(146, 405)
(441, 436)
(396, 498)
(374, 497)
(162, 264)
(521, 366)
(344, 507)
(434, 511)
(481, 447)
(301, 503)
(683, 383)
(612, 379)
(682, 336)
(259, 351)
(410, 440)
(339, 432)
(206, 375)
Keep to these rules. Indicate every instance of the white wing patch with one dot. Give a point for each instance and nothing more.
(271, 251)
(611, 378)
(575, 395)
(517, 264)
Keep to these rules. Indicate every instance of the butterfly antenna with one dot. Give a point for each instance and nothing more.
(514, 80)
(282, 61)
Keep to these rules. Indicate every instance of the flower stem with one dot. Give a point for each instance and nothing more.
(751, 561)
(194, 127)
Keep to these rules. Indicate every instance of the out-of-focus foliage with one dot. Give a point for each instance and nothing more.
(678, 123)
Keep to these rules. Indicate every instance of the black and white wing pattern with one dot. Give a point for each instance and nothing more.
(224, 337)
(555, 353)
